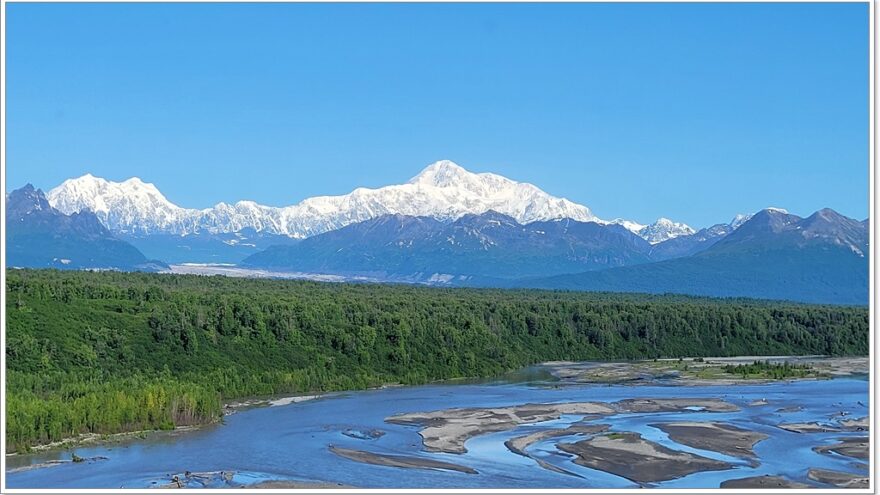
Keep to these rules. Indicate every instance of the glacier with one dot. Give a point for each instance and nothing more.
(443, 190)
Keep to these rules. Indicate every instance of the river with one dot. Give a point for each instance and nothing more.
(292, 441)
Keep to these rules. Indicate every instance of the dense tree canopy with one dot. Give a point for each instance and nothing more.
(109, 352)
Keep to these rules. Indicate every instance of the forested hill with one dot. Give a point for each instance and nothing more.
(108, 352)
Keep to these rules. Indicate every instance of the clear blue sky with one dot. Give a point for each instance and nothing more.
(690, 111)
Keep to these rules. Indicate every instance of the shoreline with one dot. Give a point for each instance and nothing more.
(99, 439)
(565, 372)
(706, 371)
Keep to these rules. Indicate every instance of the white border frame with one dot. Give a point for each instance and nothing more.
(872, 129)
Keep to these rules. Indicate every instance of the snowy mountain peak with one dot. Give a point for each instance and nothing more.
(443, 190)
(738, 220)
(137, 183)
(663, 230)
(444, 173)
(129, 206)
(773, 209)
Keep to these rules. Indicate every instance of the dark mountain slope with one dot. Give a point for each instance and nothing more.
(774, 255)
(487, 245)
(40, 236)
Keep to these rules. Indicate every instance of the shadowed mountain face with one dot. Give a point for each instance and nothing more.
(40, 236)
(771, 254)
(774, 255)
(687, 245)
(488, 245)
(205, 247)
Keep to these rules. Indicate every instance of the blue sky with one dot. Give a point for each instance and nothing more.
(690, 111)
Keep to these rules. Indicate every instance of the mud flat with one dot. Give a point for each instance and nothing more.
(226, 479)
(89, 439)
(54, 463)
(371, 434)
(838, 478)
(448, 430)
(518, 445)
(790, 409)
(717, 437)
(632, 457)
(765, 481)
(400, 461)
(673, 405)
(233, 407)
(296, 485)
(856, 424)
(813, 427)
(699, 371)
(851, 447)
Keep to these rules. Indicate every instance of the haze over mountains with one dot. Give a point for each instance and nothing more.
(449, 226)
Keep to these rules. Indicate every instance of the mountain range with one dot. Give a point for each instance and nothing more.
(448, 226)
(38, 235)
(774, 255)
(771, 254)
(443, 190)
(486, 245)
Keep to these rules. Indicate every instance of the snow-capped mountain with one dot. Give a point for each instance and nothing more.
(687, 245)
(739, 220)
(663, 230)
(129, 206)
(443, 190)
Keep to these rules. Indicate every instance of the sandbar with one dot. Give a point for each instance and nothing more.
(717, 437)
(630, 456)
(401, 461)
(838, 478)
(765, 481)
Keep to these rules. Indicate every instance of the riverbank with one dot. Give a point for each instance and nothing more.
(155, 351)
(92, 439)
(703, 371)
(345, 440)
(685, 372)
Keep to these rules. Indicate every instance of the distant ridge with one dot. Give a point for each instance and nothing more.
(774, 255)
(443, 190)
(39, 236)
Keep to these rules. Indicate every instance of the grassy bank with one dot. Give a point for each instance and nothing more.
(111, 352)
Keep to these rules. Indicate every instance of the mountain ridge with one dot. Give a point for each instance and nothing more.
(772, 255)
(443, 190)
(490, 244)
(39, 236)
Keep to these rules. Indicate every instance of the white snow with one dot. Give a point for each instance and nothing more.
(443, 190)
(663, 230)
(633, 227)
(776, 210)
(739, 220)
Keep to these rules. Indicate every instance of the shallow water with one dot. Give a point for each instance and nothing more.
(291, 441)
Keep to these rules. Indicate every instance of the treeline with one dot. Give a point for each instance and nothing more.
(109, 352)
(767, 369)
(52, 406)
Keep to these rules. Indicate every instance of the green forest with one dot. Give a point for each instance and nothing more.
(107, 352)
